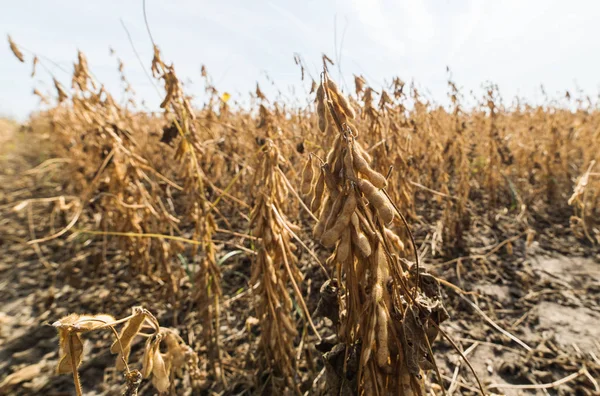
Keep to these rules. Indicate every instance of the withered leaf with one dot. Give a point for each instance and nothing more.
(91, 322)
(177, 352)
(160, 375)
(169, 133)
(72, 351)
(81, 323)
(27, 373)
(129, 331)
(147, 360)
(69, 328)
(122, 358)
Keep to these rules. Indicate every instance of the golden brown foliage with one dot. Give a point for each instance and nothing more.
(161, 365)
(163, 189)
(386, 318)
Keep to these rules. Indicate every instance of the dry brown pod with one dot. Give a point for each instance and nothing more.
(333, 153)
(318, 193)
(369, 343)
(383, 351)
(334, 211)
(319, 228)
(307, 176)
(349, 167)
(321, 108)
(363, 153)
(287, 322)
(332, 235)
(330, 181)
(378, 200)
(345, 246)
(362, 166)
(342, 100)
(395, 239)
(359, 238)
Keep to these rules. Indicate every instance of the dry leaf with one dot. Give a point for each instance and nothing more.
(160, 375)
(147, 360)
(581, 184)
(24, 374)
(70, 343)
(129, 331)
(122, 358)
(72, 351)
(176, 351)
(92, 322)
(169, 133)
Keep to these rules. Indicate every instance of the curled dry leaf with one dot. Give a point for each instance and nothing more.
(130, 330)
(177, 351)
(147, 360)
(160, 375)
(71, 351)
(69, 328)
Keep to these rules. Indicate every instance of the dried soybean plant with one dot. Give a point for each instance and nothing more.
(275, 267)
(456, 216)
(110, 175)
(189, 152)
(388, 309)
(581, 203)
(163, 366)
(499, 154)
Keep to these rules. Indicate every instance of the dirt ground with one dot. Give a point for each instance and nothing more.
(530, 324)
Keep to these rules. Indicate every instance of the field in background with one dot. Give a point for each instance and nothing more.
(104, 208)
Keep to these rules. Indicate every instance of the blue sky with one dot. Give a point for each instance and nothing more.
(518, 44)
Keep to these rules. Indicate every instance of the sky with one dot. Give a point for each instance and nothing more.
(517, 44)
